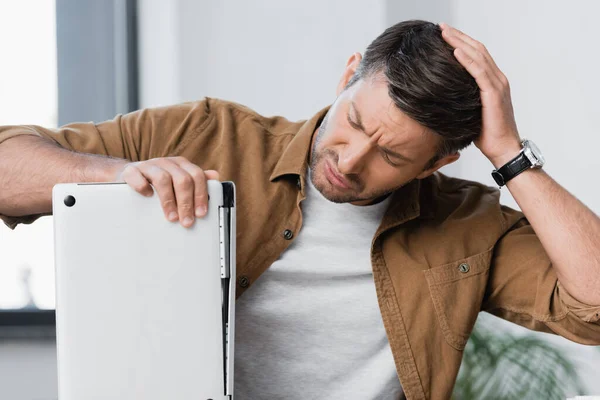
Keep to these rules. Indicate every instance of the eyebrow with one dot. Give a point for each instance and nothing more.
(360, 126)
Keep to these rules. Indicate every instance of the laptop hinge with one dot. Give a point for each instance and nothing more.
(225, 251)
(227, 218)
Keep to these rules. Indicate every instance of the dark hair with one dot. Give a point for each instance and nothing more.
(426, 82)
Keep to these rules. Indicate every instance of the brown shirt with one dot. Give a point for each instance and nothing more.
(445, 250)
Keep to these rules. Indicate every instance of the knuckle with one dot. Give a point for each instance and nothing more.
(179, 158)
(202, 196)
(128, 169)
(168, 203)
(139, 187)
(197, 173)
(184, 180)
(154, 162)
(163, 178)
(186, 207)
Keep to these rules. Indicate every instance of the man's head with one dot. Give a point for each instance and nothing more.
(403, 111)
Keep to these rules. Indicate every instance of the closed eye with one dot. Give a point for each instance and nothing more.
(386, 156)
(354, 124)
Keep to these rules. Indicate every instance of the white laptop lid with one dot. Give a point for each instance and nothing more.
(138, 298)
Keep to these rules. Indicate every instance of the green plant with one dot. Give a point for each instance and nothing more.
(500, 365)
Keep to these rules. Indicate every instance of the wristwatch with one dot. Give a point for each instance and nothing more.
(530, 156)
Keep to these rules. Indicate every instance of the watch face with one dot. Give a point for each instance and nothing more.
(534, 154)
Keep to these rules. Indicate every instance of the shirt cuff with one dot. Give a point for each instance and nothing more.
(12, 222)
(584, 311)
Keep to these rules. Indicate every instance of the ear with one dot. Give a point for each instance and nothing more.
(350, 69)
(449, 159)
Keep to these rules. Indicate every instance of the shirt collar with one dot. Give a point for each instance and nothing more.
(294, 159)
(407, 202)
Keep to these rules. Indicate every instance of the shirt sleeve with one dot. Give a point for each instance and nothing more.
(523, 287)
(136, 136)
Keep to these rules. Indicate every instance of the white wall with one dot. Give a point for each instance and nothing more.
(277, 57)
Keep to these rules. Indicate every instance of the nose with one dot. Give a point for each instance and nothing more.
(354, 155)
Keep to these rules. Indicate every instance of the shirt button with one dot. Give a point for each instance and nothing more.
(464, 268)
(287, 234)
(244, 281)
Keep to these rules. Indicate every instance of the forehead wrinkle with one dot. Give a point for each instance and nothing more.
(393, 133)
(382, 130)
(401, 120)
(382, 116)
(365, 120)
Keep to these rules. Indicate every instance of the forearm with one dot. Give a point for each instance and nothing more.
(568, 230)
(30, 166)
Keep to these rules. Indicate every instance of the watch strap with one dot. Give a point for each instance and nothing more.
(511, 169)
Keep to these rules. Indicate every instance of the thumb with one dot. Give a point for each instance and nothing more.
(211, 174)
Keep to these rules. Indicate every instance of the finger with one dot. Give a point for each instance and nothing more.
(200, 185)
(134, 178)
(162, 182)
(477, 65)
(449, 32)
(183, 183)
(485, 81)
(211, 174)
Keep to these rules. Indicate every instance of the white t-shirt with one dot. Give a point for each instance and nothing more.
(310, 326)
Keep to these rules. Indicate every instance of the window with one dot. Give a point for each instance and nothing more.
(28, 78)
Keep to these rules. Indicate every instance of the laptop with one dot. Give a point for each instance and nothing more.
(145, 308)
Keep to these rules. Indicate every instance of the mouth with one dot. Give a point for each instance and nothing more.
(334, 178)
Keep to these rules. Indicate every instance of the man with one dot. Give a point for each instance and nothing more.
(358, 262)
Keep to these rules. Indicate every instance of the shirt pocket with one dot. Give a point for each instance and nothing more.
(457, 290)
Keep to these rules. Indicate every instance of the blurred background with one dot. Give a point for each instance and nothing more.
(87, 60)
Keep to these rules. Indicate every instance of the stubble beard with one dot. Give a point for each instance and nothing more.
(319, 158)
